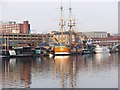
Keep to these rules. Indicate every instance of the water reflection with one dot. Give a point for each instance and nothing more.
(16, 72)
(0, 73)
(65, 68)
(61, 72)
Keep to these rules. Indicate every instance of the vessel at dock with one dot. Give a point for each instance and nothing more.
(60, 48)
(7, 53)
(88, 47)
(7, 50)
(98, 49)
(19, 51)
(23, 51)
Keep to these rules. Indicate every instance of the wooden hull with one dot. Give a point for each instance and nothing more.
(59, 50)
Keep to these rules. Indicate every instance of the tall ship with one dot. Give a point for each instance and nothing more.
(61, 48)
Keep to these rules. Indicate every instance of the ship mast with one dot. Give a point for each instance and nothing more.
(62, 22)
(74, 23)
(70, 24)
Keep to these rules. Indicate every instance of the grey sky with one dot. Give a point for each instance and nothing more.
(91, 16)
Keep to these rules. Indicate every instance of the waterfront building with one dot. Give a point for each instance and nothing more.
(12, 33)
(111, 41)
(12, 27)
(96, 34)
(15, 39)
(117, 34)
(80, 36)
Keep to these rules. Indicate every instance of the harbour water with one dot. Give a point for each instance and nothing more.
(78, 71)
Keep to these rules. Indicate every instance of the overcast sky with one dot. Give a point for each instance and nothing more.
(44, 16)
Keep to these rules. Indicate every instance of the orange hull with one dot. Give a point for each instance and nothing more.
(61, 50)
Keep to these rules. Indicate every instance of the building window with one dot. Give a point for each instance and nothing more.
(17, 27)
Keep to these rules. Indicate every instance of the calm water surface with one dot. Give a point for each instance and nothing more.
(80, 71)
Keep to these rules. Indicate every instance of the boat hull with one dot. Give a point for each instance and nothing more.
(60, 53)
(61, 50)
(98, 49)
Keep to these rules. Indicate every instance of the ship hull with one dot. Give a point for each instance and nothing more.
(61, 50)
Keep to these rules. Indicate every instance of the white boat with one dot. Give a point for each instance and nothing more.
(7, 53)
(98, 49)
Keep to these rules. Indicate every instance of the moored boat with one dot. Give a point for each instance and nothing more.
(77, 49)
(86, 51)
(88, 47)
(23, 51)
(98, 49)
(61, 49)
(8, 53)
(37, 51)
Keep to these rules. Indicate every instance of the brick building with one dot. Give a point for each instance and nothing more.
(12, 27)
